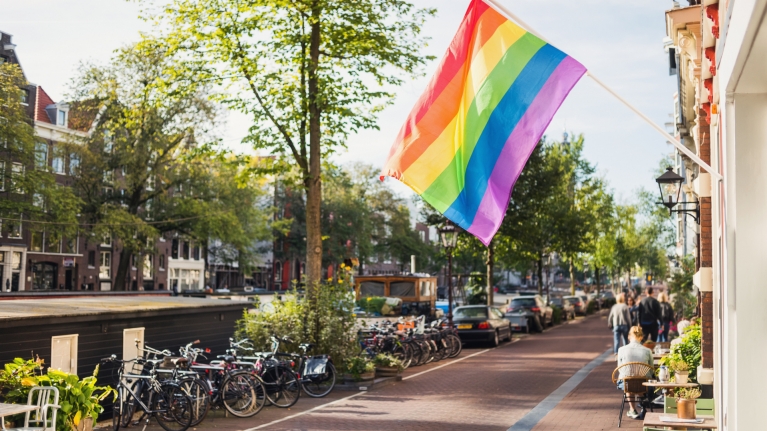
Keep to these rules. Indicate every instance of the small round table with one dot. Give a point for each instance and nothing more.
(668, 387)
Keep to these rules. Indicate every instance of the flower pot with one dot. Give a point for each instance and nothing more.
(85, 425)
(387, 371)
(681, 376)
(364, 377)
(685, 409)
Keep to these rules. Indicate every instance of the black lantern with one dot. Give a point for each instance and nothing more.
(449, 234)
(670, 186)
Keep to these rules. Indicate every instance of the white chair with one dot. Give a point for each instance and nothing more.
(46, 398)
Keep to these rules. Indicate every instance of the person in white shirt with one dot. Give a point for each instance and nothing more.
(634, 351)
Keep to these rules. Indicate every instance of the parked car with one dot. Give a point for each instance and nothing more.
(568, 310)
(539, 315)
(481, 323)
(578, 303)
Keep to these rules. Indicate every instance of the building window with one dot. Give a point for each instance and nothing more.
(92, 259)
(17, 172)
(277, 271)
(74, 163)
(24, 95)
(2, 176)
(106, 240)
(16, 260)
(44, 276)
(38, 200)
(69, 246)
(61, 118)
(174, 249)
(41, 155)
(147, 269)
(186, 250)
(37, 241)
(196, 253)
(105, 264)
(51, 245)
(57, 164)
(14, 229)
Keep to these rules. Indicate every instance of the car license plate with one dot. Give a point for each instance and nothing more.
(515, 325)
(465, 326)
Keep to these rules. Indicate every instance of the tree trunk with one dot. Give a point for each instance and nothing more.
(313, 181)
(489, 263)
(572, 277)
(540, 274)
(121, 278)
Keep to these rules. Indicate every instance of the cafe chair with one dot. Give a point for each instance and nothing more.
(633, 374)
(46, 398)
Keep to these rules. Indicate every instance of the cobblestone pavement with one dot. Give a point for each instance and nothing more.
(483, 389)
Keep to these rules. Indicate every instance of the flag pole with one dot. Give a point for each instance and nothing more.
(679, 146)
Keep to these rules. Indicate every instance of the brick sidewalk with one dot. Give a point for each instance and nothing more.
(485, 390)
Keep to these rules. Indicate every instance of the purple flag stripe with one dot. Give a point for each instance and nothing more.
(520, 145)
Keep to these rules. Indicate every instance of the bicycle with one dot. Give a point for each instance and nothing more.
(165, 401)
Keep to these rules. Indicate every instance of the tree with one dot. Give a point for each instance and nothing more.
(302, 70)
(144, 174)
(30, 195)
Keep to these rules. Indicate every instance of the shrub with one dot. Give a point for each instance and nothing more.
(687, 351)
(327, 321)
(591, 307)
(556, 315)
(388, 361)
(372, 304)
(358, 365)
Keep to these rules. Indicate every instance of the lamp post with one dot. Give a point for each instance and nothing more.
(670, 186)
(449, 234)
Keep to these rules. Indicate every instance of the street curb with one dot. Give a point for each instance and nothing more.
(377, 383)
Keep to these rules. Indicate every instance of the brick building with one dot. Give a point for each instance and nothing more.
(30, 260)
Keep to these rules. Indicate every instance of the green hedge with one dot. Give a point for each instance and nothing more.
(591, 308)
(556, 315)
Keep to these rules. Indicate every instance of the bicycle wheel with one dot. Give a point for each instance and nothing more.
(198, 393)
(408, 359)
(399, 353)
(117, 411)
(319, 385)
(173, 408)
(242, 394)
(456, 344)
(282, 386)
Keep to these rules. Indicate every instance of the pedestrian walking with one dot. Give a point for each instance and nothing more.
(619, 321)
(633, 311)
(649, 316)
(666, 316)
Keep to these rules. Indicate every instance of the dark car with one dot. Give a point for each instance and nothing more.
(539, 315)
(568, 310)
(577, 301)
(481, 323)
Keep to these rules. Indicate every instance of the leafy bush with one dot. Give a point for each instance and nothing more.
(591, 307)
(358, 365)
(388, 361)
(687, 351)
(556, 315)
(327, 320)
(79, 399)
(372, 304)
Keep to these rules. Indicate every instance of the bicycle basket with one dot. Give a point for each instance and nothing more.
(315, 365)
(405, 325)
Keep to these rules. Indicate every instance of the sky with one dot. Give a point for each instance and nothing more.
(619, 41)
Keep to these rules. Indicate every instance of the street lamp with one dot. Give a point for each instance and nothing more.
(449, 234)
(670, 187)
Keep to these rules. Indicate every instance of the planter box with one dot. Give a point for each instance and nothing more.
(387, 371)
(85, 425)
(365, 377)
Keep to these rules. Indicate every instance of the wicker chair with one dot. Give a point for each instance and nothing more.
(633, 375)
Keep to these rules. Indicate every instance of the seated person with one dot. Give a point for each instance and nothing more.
(634, 351)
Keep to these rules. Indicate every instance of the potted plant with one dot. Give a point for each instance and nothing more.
(387, 365)
(681, 371)
(685, 402)
(359, 369)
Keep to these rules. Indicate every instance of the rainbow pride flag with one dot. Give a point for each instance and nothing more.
(471, 133)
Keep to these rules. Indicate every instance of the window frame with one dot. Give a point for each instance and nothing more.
(105, 265)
